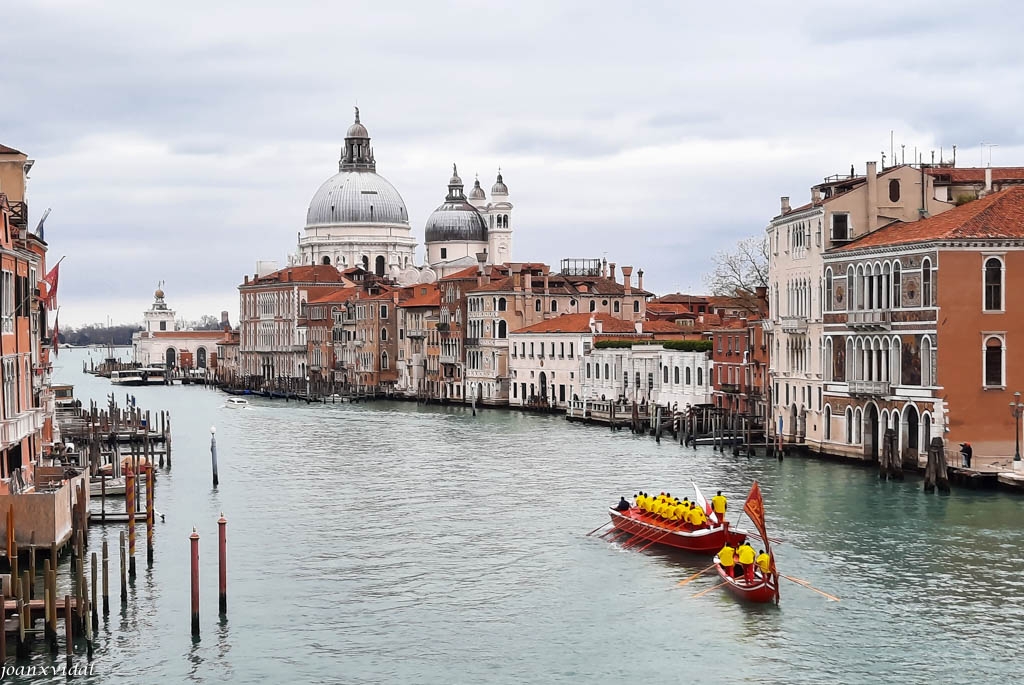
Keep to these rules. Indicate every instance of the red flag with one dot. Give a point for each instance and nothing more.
(56, 334)
(754, 509)
(51, 280)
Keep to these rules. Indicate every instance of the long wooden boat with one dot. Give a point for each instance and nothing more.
(764, 587)
(679, 535)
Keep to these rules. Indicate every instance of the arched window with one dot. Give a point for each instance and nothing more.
(606, 374)
(366, 263)
(894, 190)
(588, 369)
(554, 306)
(664, 375)
(993, 285)
(828, 422)
(383, 360)
(993, 362)
(383, 335)
(597, 372)
(926, 429)
(593, 305)
(675, 375)
(379, 265)
(897, 286)
(700, 375)
(858, 432)
(926, 282)
(615, 306)
(926, 362)
(636, 306)
(850, 281)
(502, 329)
(861, 294)
(326, 260)
(536, 306)
(849, 426)
(827, 304)
(502, 304)
(201, 358)
(689, 379)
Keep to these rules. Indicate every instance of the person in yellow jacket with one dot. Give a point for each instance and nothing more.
(697, 517)
(726, 559)
(719, 505)
(745, 559)
(764, 562)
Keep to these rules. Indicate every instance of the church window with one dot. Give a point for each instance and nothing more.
(444, 253)
(326, 260)
(593, 305)
(615, 306)
(501, 304)
(163, 325)
(366, 263)
(554, 305)
(536, 306)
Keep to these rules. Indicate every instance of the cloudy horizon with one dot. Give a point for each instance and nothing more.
(185, 146)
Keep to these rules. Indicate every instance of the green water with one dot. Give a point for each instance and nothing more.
(390, 543)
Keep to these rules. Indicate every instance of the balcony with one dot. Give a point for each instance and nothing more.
(871, 319)
(415, 333)
(870, 388)
(794, 324)
(14, 430)
(730, 388)
(472, 342)
(449, 359)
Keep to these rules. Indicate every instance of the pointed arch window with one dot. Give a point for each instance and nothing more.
(993, 362)
(993, 285)
(827, 304)
(926, 282)
(897, 286)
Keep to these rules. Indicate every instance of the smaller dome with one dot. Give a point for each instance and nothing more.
(477, 193)
(159, 294)
(357, 130)
(456, 221)
(499, 187)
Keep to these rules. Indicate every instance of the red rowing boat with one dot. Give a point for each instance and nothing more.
(679, 535)
(763, 588)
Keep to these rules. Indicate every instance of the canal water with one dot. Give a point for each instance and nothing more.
(396, 543)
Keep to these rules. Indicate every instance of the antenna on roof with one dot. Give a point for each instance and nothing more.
(954, 155)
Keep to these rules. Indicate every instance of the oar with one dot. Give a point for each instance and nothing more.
(809, 586)
(651, 541)
(597, 529)
(713, 587)
(696, 575)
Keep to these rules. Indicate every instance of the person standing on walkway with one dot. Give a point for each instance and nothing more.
(966, 452)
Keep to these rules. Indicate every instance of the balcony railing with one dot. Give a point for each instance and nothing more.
(14, 430)
(873, 388)
(870, 318)
(449, 359)
(472, 342)
(415, 333)
(794, 324)
(730, 388)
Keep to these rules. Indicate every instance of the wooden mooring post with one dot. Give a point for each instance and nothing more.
(222, 562)
(936, 474)
(194, 540)
(106, 582)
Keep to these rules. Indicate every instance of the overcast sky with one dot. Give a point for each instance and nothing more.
(183, 143)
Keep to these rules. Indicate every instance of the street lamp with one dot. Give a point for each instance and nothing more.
(1017, 409)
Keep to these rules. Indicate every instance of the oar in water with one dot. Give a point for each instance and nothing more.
(597, 529)
(807, 585)
(713, 587)
(696, 575)
(651, 541)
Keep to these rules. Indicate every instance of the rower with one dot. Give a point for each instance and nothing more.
(697, 517)
(763, 561)
(726, 560)
(745, 557)
(623, 505)
(719, 504)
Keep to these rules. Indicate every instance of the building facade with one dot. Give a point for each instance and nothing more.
(164, 342)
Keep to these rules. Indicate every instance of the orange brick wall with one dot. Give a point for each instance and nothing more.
(978, 415)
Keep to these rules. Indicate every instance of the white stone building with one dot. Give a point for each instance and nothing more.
(164, 342)
(646, 371)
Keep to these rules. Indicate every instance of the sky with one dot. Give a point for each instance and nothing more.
(182, 143)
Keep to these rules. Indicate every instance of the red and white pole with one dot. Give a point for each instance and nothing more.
(194, 538)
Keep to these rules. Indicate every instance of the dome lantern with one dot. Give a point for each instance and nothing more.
(499, 187)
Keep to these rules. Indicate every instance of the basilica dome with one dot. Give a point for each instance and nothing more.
(456, 219)
(356, 196)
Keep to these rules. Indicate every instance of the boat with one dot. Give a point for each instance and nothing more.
(127, 377)
(153, 375)
(675, 534)
(236, 403)
(762, 589)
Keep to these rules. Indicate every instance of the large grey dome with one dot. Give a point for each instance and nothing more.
(456, 220)
(356, 196)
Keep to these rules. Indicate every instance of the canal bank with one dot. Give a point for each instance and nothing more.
(384, 542)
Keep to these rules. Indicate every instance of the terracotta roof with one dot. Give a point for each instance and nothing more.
(500, 285)
(977, 174)
(315, 273)
(205, 335)
(468, 272)
(4, 150)
(998, 215)
(338, 295)
(432, 297)
(579, 323)
(664, 327)
(679, 298)
(681, 310)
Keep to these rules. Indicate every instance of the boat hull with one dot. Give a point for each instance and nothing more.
(701, 540)
(761, 591)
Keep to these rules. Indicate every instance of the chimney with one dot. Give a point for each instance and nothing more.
(627, 272)
(988, 180)
(481, 260)
(611, 269)
(394, 296)
(872, 200)
(640, 279)
(784, 201)
(604, 268)
(638, 326)
(517, 277)
(546, 290)
(247, 279)
(762, 293)
(815, 195)
(596, 325)
(528, 281)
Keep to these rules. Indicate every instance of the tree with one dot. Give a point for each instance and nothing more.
(740, 272)
(208, 322)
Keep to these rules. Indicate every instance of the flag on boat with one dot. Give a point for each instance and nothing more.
(699, 497)
(51, 279)
(754, 509)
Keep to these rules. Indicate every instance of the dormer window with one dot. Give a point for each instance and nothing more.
(841, 227)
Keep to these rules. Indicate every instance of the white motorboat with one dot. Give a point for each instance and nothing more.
(236, 403)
